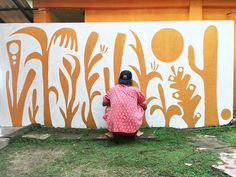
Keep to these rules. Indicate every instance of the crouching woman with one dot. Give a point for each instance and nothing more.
(125, 107)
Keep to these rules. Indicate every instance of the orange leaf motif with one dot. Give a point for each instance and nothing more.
(67, 65)
(65, 85)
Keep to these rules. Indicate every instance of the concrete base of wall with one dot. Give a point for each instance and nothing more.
(8, 132)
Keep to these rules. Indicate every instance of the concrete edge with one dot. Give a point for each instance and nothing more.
(19, 132)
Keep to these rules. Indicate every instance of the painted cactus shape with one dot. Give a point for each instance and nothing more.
(208, 73)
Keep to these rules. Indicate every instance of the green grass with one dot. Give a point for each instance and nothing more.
(165, 156)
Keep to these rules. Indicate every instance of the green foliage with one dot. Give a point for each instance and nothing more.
(164, 156)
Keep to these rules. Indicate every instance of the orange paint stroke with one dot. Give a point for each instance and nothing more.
(184, 95)
(118, 55)
(143, 77)
(64, 37)
(71, 107)
(89, 63)
(167, 112)
(208, 73)
(16, 107)
(117, 61)
(106, 73)
(33, 112)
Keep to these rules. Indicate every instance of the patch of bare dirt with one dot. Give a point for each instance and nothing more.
(84, 170)
(68, 136)
(25, 161)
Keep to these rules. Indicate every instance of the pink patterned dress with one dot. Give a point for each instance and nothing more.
(126, 109)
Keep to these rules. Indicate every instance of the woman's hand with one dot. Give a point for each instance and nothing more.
(106, 103)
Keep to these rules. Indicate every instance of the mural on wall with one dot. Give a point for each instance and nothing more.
(57, 74)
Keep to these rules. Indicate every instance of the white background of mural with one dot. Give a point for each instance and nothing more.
(192, 32)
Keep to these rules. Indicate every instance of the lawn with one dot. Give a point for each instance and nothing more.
(165, 156)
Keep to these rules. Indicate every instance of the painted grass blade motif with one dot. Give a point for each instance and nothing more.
(70, 111)
(76, 108)
(76, 72)
(151, 98)
(28, 82)
(167, 112)
(65, 85)
(67, 38)
(118, 55)
(83, 113)
(89, 48)
(138, 74)
(92, 80)
(117, 61)
(37, 33)
(135, 84)
(96, 59)
(54, 90)
(67, 35)
(89, 62)
(94, 94)
(35, 56)
(32, 113)
(16, 106)
(140, 54)
(63, 113)
(67, 65)
(10, 104)
(154, 108)
(153, 75)
(106, 74)
(143, 77)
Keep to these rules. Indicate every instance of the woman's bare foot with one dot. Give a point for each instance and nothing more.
(139, 133)
(109, 135)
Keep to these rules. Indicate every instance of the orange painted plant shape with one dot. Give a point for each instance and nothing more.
(185, 95)
(16, 106)
(66, 38)
(143, 77)
(71, 109)
(117, 61)
(208, 73)
(32, 112)
(89, 63)
(168, 112)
